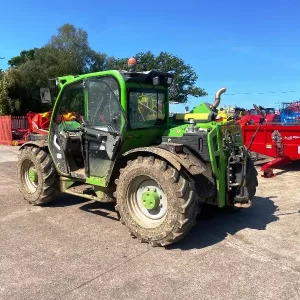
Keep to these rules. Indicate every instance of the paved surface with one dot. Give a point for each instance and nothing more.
(77, 250)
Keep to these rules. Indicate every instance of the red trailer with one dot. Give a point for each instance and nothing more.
(282, 142)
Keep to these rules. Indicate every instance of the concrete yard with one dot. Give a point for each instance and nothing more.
(76, 249)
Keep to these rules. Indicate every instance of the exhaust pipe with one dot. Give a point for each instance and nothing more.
(218, 97)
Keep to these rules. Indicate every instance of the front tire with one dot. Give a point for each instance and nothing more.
(39, 183)
(155, 201)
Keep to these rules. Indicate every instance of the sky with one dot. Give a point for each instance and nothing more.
(249, 47)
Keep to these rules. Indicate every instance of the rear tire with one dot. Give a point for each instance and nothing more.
(39, 183)
(175, 208)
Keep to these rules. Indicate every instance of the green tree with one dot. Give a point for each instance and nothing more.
(184, 75)
(73, 46)
(67, 53)
(24, 56)
(9, 92)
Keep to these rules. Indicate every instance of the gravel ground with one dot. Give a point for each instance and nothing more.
(76, 249)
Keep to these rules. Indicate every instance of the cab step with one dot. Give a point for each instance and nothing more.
(82, 190)
(88, 191)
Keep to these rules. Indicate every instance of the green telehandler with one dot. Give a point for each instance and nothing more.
(121, 146)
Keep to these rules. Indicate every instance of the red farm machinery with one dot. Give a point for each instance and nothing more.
(35, 125)
(276, 135)
(38, 126)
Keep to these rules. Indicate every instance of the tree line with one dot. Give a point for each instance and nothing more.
(68, 53)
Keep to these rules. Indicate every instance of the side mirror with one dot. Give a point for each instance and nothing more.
(45, 95)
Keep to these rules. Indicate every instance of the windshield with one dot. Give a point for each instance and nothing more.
(146, 109)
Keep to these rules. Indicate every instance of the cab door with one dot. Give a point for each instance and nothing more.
(102, 132)
(65, 143)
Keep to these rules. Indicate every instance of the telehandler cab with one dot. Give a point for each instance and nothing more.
(123, 147)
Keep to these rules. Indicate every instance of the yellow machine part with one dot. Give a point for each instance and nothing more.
(196, 116)
(45, 114)
(224, 114)
(69, 117)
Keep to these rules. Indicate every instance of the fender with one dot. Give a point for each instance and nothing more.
(178, 156)
(39, 144)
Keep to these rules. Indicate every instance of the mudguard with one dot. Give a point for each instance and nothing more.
(177, 158)
(39, 144)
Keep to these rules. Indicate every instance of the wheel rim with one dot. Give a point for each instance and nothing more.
(147, 202)
(30, 176)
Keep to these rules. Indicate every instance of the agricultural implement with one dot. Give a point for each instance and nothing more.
(252, 117)
(38, 127)
(290, 114)
(266, 136)
(121, 147)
